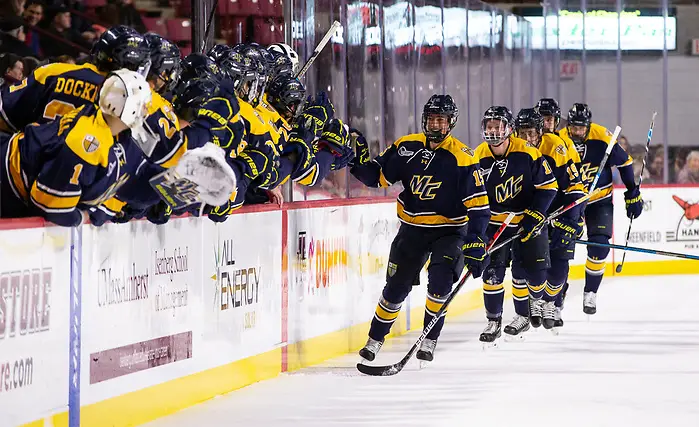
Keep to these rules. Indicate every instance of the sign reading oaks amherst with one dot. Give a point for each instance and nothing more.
(601, 30)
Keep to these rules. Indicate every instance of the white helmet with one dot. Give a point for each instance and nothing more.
(285, 49)
(127, 95)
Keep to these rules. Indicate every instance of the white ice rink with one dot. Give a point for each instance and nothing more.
(636, 363)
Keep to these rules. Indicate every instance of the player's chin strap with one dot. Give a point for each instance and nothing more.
(397, 367)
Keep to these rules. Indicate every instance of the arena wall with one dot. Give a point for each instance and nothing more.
(126, 323)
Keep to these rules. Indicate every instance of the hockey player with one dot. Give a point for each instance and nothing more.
(443, 211)
(55, 89)
(591, 141)
(55, 169)
(563, 231)
(281, 49)
(551, 112)
(519, 180)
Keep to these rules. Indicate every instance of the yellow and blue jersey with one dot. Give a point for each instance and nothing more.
(442, 187)
(564, 163)
(48, 93)
(591, 152)
(519, 179)
(69, 164)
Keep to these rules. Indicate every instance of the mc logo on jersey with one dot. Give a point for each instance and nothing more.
(588, 172)
(508, 189)
(423, 187)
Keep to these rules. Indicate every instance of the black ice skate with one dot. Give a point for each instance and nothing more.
(536, 309)
(370, 350)
(590, 303)
(519, 325)
(426, 351)
(492, 331)
(549, 314)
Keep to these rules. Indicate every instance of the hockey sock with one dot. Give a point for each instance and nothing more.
(562, 295)
(595, 264)
(386, 313)
(433, 304)
(536, 283)
(520, 296)
(493, 297)
(556, 277)
(551, 291)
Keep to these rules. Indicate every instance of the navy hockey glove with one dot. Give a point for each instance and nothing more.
(218, 213)
(361, 148)
(634, 202)
(475, 256)
(159, 213)
(563, 233)
(316, 113)
(335, 137)
(531, 223)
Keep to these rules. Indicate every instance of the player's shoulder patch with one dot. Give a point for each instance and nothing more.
(554, 147)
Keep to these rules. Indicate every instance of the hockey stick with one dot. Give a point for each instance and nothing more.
(208, 26)
(590, 193)
(636, 249)
(640, 181)
(397, 367)
(326, 38)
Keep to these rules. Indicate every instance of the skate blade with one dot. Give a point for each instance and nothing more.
(555, 331)
(514, 338)
(489, 345)
(364, 361)
(424, 364)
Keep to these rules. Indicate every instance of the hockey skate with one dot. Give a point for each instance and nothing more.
(517, 327)
(491, 332)
(590, 303)
(426, 353)
(536, 309)
(549, 314)
(370, 350)
(558, 319)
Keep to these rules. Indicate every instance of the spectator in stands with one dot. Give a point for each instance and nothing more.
(624, 143)
(12, 68)
(33, 14)
(61, 27)
(11, 8)
(12, 36)
(30, 64)
(123, 12)
(66, 59)
(690, 172)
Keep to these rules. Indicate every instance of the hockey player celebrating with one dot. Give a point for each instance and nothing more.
(57, 168)
(591, 141)
(443, 210)
(563, 231)
(551, 112)
(518, 180)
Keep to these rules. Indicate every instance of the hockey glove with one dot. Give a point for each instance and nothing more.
(361, 148)
(563, 233)
(218, 213)
(475, 256)
(159, 213)
(316, 113)
(634, 202)
(299, 146)
(335, 137)
(531, 223)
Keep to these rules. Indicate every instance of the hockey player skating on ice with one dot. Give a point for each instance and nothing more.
(591, 141)
(519, 180)
(563, 230)
(443, 211)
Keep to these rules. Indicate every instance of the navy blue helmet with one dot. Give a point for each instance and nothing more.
(439, 105)
(121, 47)
(165, 62)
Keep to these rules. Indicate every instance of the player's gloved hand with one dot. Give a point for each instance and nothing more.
(335, 137)
(563, 233)
(159, 213)
(300, 147)
(475, 256)
(530, 224)
(634, 202)
(128, 213)
(361, 148)
(317, 112)
(218, 213)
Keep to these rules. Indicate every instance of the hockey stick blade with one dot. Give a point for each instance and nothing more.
(385, 371)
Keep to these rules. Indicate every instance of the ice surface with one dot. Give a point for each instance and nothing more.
(635, 363)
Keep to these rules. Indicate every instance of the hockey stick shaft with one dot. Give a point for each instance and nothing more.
(394, 369)
(636, 249)
(326, 38)
(607, 153)
(207, 32)
(640, 181)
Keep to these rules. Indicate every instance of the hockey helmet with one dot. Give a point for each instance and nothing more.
(579, 116)
(165, 62)
(280, 49)
(548, 107)
(529, 125)
(243, 73)
(497, 125)
(286, 94)
(191, 94)
(126, 95)
(439, 105)
(121, 47)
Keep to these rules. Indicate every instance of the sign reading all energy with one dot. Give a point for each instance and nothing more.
(638, 31)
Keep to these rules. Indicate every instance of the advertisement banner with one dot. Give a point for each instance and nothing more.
(337, 266)
(242, 275)
(34, 315)
(141, 301)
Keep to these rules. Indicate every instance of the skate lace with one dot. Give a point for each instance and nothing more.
(590, 299)
(373, 345)
(535, 307)
(519, 322)
(549, 310)
(492, 327)
(428, 345)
